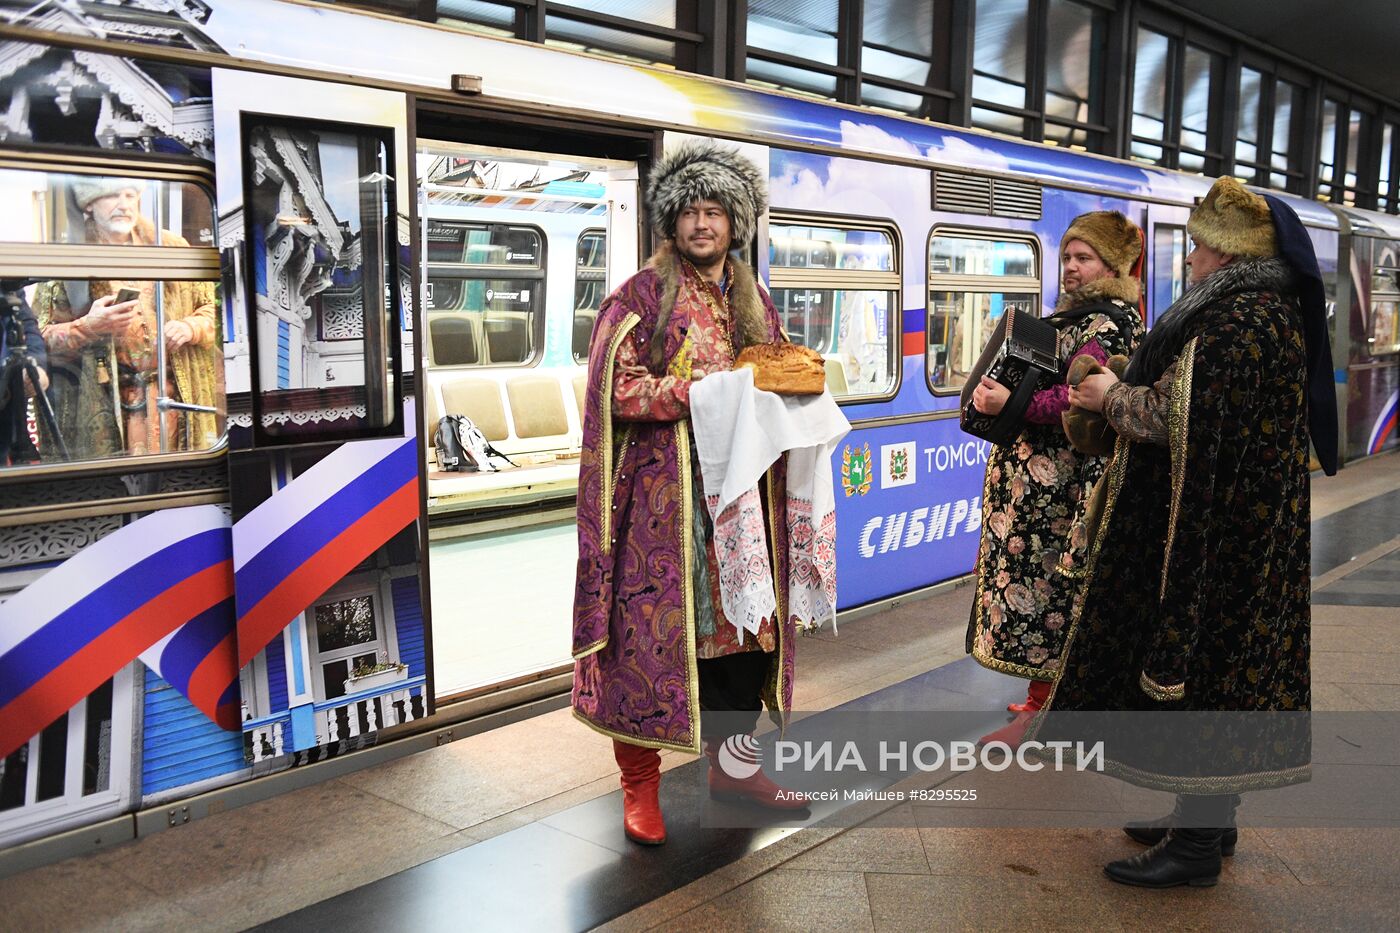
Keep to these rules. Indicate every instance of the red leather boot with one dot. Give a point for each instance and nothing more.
(756, 788)
(641, 778)
(1036, 696)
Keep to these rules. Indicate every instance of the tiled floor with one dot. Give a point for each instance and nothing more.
(518, 827)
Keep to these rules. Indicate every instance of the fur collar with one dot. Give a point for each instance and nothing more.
(1165, 340)
(744, 301)
(1111, 288)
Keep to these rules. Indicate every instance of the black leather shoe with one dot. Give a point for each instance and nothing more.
(1149, 834)
(1185, 856)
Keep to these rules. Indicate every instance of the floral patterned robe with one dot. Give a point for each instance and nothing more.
(1032, 495)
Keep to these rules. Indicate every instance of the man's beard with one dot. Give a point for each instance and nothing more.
(709, 258)
(113, 229)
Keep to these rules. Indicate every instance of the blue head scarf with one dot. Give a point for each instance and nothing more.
(1295, 248)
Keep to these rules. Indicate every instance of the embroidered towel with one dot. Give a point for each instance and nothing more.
(739, 432)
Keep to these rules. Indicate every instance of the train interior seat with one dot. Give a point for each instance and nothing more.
(537, 407)
(526, 416)
(584, 319)
(454, 340)
(480, 400)
(836, 377)
(507, 338)
(580, 390)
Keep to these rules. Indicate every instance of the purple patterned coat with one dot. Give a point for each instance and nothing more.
(635, 674)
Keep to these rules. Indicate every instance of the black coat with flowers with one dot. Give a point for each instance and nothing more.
(1198, 591)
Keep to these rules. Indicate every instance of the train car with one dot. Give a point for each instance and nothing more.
(232, 551)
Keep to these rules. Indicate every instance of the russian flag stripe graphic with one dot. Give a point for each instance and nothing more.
(299, 586)
(309, 534)
(60, 687)
(1385, 424)
(160, 588)
(301, 541)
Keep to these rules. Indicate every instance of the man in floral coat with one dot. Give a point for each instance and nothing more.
(1035, 485)
(1198, 596)
(651, 642)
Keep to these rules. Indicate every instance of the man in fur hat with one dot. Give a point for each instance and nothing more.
(651, 642)
(102, 352)
(1198, 591)
(1035, 484)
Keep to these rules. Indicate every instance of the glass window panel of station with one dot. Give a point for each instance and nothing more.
(485, 293)
(590, 287)
(999, 52)
(1327, 153)
(836, 290)
(1150, 80)
(146, 301)
(1385, 192)
(790, 78)
(1198, 81)
(973, 281)
(1250, 113)
(801, 30)
(569, 33)
(496, 19)
(1073, 61)
(1355, 134)
(1288, 112)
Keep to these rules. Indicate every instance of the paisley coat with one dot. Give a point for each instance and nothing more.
(634, 632)
(1198, 591)
(1033, 491)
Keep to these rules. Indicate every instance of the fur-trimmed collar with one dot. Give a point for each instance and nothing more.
(1165, 340)
(744, 301)
(1109, 288)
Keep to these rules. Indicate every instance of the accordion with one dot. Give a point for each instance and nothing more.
(1021, 355)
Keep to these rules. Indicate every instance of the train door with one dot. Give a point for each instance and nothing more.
(519, 249)
(324, 462)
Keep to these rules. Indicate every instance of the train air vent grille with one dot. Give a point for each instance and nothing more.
(967, 194)
(1015, 199)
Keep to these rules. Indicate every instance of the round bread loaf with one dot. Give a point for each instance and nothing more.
(785, 368)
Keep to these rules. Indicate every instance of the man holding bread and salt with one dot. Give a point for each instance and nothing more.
(702, 548)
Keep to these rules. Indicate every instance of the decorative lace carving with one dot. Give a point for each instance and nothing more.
(34, 544)
(342, 317)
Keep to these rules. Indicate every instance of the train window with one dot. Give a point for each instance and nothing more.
(323, 277)
(590, 287)
(974, 278)
(1168, 267)
(836, 288)
(110, 281)
(485, 293)
(1385, 312)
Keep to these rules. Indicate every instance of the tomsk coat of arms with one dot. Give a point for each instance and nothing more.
(855, 470)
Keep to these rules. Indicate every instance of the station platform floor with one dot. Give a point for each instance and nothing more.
(519, 828)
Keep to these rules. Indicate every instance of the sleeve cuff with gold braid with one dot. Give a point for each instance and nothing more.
(1158, 692)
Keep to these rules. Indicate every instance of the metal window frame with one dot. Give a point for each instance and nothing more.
(891, 282)
(982, 284)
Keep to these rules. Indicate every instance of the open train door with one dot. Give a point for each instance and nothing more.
(325, 471)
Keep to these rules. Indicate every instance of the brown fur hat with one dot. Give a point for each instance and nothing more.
(1235, 221)
(1116, 239)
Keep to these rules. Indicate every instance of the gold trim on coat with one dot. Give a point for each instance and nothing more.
(1160, 693)
(605, 399)
(1178, 423)
(692, 668)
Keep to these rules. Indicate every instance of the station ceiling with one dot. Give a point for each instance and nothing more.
(1358, 40)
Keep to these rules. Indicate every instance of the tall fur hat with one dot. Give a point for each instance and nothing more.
(704, 170)
(1234, 220)
(86, 191)
(1116, 239)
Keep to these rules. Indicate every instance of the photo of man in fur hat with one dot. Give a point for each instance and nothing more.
(102, 350)
(1198, 596)
(645, 667)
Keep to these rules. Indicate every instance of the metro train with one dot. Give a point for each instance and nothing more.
(254, 563)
